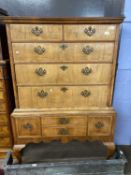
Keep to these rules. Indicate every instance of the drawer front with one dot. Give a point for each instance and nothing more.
(5, 142)
(28, 127)
(2, 107)
(1, 73)
(100, 126)
(21, 32)
(3, 118)
(65, 131)
(59, 97)
(4, 131)
(54, 52)
(64, 121)
(41, 74)
(2, 95)
(1, 84)
(89, 32)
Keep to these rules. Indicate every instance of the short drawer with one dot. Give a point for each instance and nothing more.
(63, 52)
(64, 121)
(5, 142)
(32, 32)
(63, 96)
(89, 32)
(1, 84)
(65, 131)
(28, 127)
(4, 131)
(41, 74)
(2, 107)
(100, 126)
(2, 95)
(3, 118)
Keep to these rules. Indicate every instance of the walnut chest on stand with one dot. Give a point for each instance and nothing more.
(63, 72)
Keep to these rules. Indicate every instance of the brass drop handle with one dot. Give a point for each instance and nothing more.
(39, 50)
(64, 67)
(90, 31)
(42, 94)
(86, 71)
(64, 121)
(99, 125)
(85, 93)
(40, 71)
(63, 46)
(37, 31)
(63, 131)
(28, 126)
(87, 50)
(64, 89)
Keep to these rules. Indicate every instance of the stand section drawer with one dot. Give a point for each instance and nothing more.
(100, 125)
(64, 121)
(28, 127)
(63, 131)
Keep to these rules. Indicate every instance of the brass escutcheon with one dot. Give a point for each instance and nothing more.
(37, 31)
(42, 94)
(28, 126)
(39, 50)
(86, 71)
(63, 131)
(87, 50)
(40, 71)
(99, 125)
(90, 31)
(85, 93)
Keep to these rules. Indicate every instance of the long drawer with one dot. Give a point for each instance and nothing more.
(62, 52)
(89, 32)
(41, 74)
(63, 96)
(25, 32)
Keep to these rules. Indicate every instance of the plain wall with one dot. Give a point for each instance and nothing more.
(122, 93)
